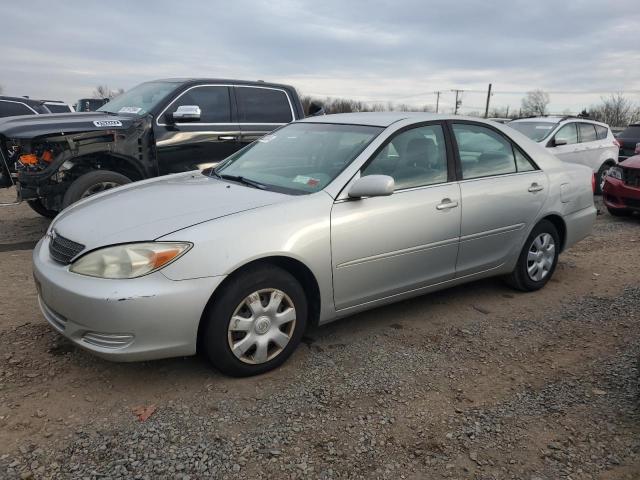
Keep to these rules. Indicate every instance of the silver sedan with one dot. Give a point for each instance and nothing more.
(322, 218)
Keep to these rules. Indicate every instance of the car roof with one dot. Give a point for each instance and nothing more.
(558, 119)
(198, 80)
(382, 119)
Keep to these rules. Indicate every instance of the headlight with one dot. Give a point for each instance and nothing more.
(129, 261)
(615, 172)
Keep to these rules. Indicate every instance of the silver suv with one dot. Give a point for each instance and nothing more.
(574, 140)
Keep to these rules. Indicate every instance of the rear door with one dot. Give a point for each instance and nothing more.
(591, 147)
(190, 145)
(502, 191)
(261, 110)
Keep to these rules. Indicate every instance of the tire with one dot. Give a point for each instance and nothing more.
(601, 175)
(619, 212)
(232, 304)
(91, 183)
(38, 207)
(520, 278)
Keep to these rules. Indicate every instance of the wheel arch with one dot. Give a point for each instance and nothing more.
(560, 225)
(115, 162)
(301, 272)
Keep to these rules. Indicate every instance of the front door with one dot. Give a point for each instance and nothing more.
(183, 146)
(385, 246)
(571, 151)
(502, 192)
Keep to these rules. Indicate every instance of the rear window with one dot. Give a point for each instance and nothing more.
(632, 131)
(536, 131)
(263, 105)
(58, 108)
(601, 132)
(8, 109)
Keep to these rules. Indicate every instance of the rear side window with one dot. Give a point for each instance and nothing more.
(214, 103)
(601, 132)
(263, 105)
(568, 133)
(8, 109)
(483, 152)
(587, 132)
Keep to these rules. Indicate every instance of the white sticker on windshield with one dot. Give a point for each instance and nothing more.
(107, 123)
(544, 127)
(129, 110)
(267, 138)
(310, 181)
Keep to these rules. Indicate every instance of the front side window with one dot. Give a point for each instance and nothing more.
(214, 103)
(587, 132)
(483, 152)
(568, 133)
(298, 158)
(263, 105)
(414, 158)
(536, 131)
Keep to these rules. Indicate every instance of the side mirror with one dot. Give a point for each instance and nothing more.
(372, 186)
(315, 109)
(186, 113)
(557, 142)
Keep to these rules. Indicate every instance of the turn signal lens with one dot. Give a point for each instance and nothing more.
(29, 159)
(129, 261)
(47, 156)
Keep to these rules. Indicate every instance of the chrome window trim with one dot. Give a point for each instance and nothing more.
(500, 175)
(230, 106)
(21, 103)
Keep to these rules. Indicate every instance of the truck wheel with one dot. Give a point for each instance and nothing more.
(92, 183)
(38, 207)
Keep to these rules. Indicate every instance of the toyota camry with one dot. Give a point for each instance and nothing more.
(320, 219)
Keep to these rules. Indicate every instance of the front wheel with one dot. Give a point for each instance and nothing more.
(91, 183)
(39, 207)
(538, 258)
(256, 322)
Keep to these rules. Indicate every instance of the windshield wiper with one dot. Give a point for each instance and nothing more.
(241, 179)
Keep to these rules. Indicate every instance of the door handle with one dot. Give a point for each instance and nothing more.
(227, 137)
(535, 188)
(446, 204)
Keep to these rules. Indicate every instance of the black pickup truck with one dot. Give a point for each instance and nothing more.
(156, 128)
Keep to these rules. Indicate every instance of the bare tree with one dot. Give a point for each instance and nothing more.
(103, 91)
(615, 110)
(347, 105)
(535, 103)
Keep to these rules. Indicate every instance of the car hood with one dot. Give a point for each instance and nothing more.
(631, 162)
(147, 210)
(29, 126)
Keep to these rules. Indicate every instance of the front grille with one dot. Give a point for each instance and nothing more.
(631, 202)
(631, 177)
(62, 249)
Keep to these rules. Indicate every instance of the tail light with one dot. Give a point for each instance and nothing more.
(593, 183)
(617, 143)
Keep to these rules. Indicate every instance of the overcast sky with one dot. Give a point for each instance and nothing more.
(397, 51)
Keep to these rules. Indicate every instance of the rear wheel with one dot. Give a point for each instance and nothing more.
(538, 258)
(601, 176)
(38, 207)
(91, 183)
(256, 322)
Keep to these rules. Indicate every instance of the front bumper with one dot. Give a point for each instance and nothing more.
(124, 320)
(620, 196)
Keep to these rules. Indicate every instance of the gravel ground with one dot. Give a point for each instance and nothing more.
(476, 382)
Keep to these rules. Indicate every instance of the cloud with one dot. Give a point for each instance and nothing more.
(372, 50)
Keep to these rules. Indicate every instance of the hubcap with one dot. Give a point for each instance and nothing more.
(99, 187)
(542, 253)
(261, 326)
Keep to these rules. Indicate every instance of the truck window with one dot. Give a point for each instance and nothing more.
(263, 105)
(213, 102)
(8, 109)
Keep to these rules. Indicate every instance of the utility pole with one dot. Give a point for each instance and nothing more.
(458, 102)
(437, 99)
(486, 110)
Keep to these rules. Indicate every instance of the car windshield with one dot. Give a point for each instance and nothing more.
(536, 131)
(299, 158)
(141, 99)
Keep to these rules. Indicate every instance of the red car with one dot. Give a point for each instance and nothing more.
(621, 190)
